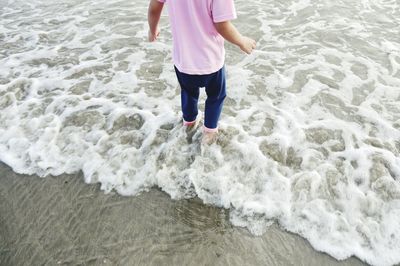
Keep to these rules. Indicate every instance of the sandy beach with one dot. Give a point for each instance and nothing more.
(63, 221)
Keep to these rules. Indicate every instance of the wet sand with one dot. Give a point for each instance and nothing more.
(63, 221)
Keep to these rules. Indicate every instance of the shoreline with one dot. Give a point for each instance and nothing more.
(64, 221)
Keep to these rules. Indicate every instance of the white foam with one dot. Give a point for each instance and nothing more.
(309, 134)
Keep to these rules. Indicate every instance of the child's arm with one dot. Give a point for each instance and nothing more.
(231, 34)
(153, 17)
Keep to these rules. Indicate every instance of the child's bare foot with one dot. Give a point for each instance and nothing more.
(190, 127)
(209, 136)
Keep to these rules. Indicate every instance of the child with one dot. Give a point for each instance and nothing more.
(199, 28)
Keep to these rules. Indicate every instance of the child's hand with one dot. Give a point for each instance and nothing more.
(153, 36)
(247, 45)
(231, 34)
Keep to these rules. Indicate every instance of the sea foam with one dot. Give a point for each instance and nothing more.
(309, 135)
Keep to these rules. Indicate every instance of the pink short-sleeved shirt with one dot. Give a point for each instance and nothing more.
(198, 47)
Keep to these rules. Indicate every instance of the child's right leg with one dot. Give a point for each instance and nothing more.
(216, 93)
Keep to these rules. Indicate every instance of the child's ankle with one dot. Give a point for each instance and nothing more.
(189, 123)
(210, 130)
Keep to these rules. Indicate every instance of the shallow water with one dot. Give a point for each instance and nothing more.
(76, 224)
(309, 137)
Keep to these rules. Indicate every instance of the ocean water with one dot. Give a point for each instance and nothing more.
(310, 132)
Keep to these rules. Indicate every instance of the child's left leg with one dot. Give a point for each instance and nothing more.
(189, 100)
(189, 97)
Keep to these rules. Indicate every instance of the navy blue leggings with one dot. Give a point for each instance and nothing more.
(216, 92)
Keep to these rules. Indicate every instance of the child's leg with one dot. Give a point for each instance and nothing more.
(189, 98)
(216, 93)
